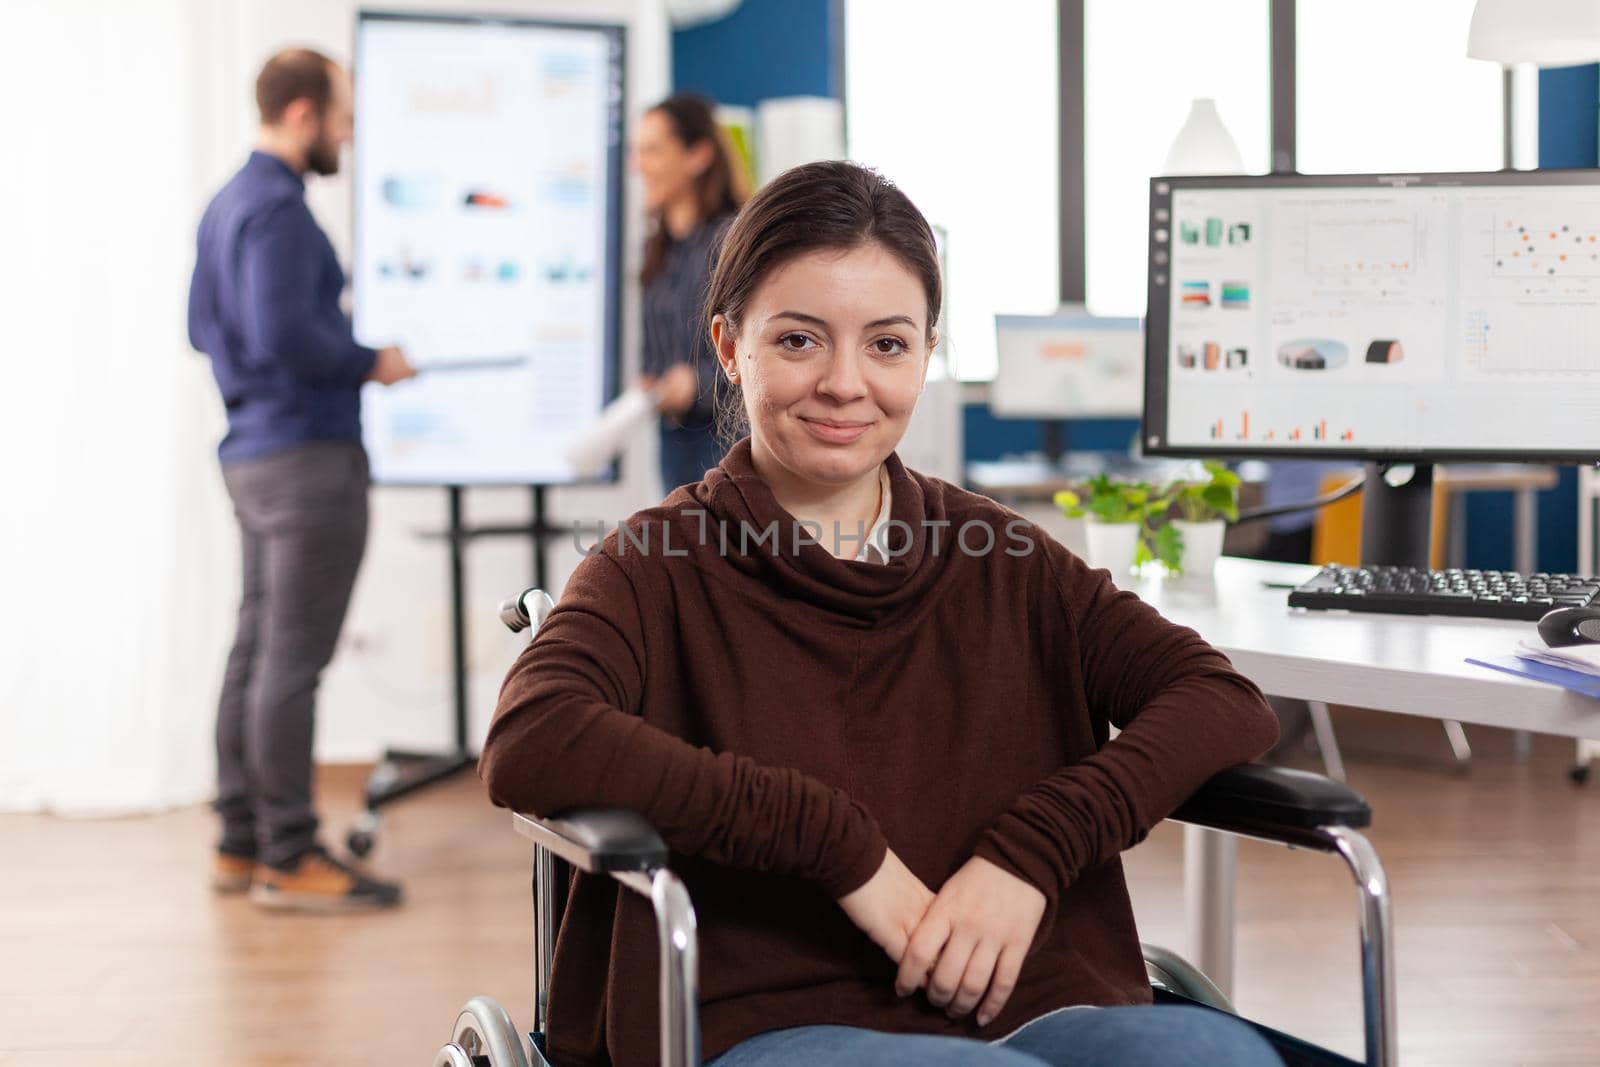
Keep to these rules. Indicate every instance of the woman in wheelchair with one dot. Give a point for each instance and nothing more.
(868, 712)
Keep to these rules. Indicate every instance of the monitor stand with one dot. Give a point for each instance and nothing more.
(1053, 439)
(1397, 520)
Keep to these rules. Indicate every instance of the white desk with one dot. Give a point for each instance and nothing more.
(1414, 665)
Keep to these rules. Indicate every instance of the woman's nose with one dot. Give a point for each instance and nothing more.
(843, 379)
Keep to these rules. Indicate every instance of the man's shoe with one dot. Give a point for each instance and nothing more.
(231, 873)
(319, 882)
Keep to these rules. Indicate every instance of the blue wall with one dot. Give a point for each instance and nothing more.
(764, 48)
(991, 437)
(1569, 103)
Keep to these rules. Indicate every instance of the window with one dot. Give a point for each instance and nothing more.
(958, 106)
(1388, 87)
(1145, 63)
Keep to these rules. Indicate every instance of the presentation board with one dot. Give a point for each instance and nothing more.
(488, 175)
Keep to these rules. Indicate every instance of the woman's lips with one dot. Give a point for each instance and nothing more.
(835, 432)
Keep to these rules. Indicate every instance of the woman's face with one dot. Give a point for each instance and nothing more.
(667, 166)
(831, 356)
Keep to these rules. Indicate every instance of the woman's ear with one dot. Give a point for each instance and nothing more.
(724, 342)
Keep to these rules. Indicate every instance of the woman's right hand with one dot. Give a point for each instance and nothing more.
(889, 905)
(676, 389)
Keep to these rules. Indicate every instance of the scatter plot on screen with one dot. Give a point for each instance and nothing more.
(1567, 245)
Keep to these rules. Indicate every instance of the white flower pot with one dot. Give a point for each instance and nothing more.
(1111, 545)
(1072, 534)
(1202, 545)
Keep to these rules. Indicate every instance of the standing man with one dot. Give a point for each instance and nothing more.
(264, 305)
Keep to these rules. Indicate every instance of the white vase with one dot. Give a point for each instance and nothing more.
(1203, 144)
(1202, 545)
(1111, 545)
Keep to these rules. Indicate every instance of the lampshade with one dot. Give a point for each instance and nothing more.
(684, 14)
(1204, 145)
(1550, 33)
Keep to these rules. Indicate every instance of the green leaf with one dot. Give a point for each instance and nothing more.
(1169, 548)
(1108, 509)
(1222, 500)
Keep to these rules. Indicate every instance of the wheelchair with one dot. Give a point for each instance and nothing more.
(1287, 807)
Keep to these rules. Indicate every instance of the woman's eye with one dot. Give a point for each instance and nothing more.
(888, 346)
(794, 342)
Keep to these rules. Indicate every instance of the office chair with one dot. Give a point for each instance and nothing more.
(1293, 808)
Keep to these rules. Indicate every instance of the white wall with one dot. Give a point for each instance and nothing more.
(390, 683)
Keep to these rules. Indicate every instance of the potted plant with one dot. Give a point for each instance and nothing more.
(1117, 516)
(1200, 513)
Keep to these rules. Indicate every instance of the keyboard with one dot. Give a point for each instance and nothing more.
(1468, 593)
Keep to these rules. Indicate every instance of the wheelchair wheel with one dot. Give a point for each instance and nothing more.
(363, 835)
(452, 1055)
(484, 1033)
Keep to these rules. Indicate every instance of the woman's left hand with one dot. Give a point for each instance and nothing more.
(971, 942)
(677, 388)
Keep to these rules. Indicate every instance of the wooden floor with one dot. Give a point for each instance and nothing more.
(112, 951)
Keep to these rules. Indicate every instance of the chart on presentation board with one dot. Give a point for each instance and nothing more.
(488, 174)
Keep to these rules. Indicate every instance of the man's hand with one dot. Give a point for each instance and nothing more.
(972, 941)
(391, 366)
(889, 906)
(677, 388)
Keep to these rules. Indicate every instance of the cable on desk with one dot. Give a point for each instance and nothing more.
(1349, 489)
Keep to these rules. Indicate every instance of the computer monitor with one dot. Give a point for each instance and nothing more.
(1067, 365)
(1397, 318)
(1394, 319)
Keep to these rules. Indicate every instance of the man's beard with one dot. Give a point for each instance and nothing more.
(323, 157)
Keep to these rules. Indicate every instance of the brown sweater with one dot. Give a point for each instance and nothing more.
(781, 715)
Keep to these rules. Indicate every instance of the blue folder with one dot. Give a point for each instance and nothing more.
(1577, 681)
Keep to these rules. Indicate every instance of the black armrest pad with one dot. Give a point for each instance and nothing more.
(614, 839)
(1275, 796)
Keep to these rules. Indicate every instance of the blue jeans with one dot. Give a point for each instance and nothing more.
(1145, 1036)
(687, 452)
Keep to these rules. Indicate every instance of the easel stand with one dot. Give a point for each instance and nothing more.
(401, 772)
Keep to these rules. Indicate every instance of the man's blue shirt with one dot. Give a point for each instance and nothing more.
(264, 305)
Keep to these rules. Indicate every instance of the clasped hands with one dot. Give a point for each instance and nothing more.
(964, 945)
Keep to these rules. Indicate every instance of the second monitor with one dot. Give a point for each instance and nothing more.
(1408, 318)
